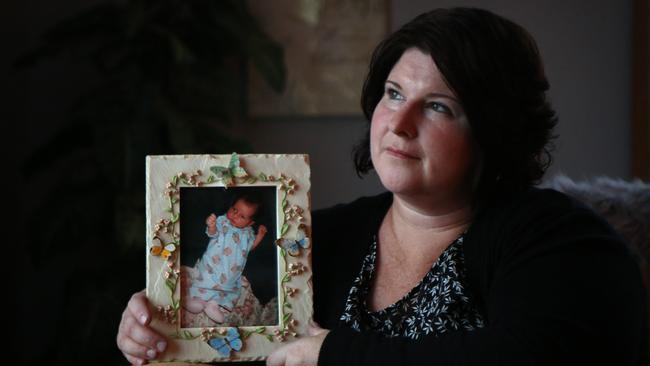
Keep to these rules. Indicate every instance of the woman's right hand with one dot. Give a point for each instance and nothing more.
(137, 341)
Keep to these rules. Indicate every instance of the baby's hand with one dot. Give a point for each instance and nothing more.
(211, 221)
(261, 231)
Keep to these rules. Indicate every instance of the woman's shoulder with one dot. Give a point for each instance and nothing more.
(361, 204)
(535, 197)
(340, 236)
(362, 211)
(537, 206)
(541, 218)
(543, 228)
(348, 228)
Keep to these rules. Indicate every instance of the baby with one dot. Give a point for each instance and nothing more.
(216, 278)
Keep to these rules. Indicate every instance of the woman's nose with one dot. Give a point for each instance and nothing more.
(403, 121)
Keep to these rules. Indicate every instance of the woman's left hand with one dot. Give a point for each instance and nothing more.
(302, 352)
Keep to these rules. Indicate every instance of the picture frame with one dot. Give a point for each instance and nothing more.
(228, 253)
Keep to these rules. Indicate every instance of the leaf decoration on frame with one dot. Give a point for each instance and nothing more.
(228, 343)
(228, 174)
(294, 246)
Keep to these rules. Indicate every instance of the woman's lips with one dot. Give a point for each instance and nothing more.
(401, 154)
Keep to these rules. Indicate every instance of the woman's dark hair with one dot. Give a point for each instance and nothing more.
(494, 68)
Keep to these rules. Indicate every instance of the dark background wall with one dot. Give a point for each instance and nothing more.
(586, 48)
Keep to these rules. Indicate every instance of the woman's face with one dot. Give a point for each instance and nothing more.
(420, 140)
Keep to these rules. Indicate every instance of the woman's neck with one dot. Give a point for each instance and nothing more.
(412, 237)
(414, 215)
(413, 234)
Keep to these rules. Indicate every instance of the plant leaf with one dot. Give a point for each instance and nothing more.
(268, 58)
(73, 139)
(88, 28)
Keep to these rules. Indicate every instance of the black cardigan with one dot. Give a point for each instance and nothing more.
(554, 282)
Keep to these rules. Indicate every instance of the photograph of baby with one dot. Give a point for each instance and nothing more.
(228, 256)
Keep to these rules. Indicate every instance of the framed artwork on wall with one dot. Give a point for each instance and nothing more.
(327, 49)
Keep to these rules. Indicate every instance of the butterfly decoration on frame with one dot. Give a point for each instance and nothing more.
(228, 343)
(228, 174)
(294, 246)
(157, 249)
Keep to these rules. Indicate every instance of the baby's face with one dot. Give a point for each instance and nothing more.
(241, 213)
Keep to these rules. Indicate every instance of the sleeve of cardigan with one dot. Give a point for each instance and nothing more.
(564, 292)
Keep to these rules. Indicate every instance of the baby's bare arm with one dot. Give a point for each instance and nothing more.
(261, 231)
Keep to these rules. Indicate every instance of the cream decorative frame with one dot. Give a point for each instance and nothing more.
(164, 177)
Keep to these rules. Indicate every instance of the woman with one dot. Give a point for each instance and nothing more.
(462, 261)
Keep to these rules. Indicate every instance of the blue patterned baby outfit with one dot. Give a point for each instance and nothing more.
(218, 272)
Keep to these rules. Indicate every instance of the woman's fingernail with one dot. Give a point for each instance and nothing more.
(143, 319)
(151, 353)
(161, 346)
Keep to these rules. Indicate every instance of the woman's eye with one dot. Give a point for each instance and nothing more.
(393, 94)
(440, 108)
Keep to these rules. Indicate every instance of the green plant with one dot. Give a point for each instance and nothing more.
(169, 78)
(169, 74)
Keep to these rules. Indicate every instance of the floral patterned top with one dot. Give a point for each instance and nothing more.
(437, 305)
